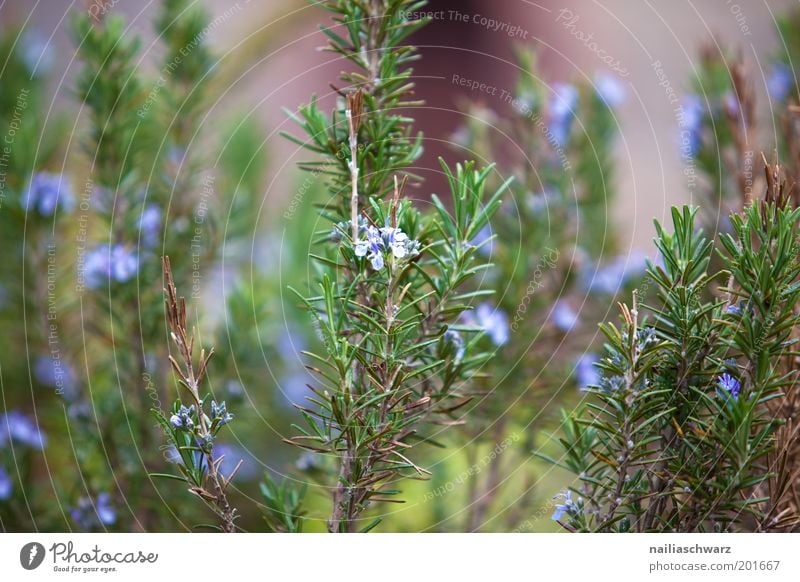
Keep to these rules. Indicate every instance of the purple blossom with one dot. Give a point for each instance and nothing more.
(611, 277)
(586, 373)
(484, 241)
(780, 82)
(18, 428)
(564, 317)
(6, 485)
(562, 110)
(294, 388)
(568, 507)
(150, 225)
(55, 373)
(47, 191)
(733, 309)
(231, 455)
(727, 385)
(609, 89)
(491, 320)
(182, 420)
(88, 514)
(386, 239)
(691, 125)
(101, 265)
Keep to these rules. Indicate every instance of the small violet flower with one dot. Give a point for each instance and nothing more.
(492, 320)
(47, 192)
(90, 514)
(150, 225)
(586, 373)
(562, 110)
(568, 507)
(18, 428)
(102, 264)
(379, 241)
(609, 89)
(564, 317)
(220, 414)
(454, 339)
(780, 82)
(182, 420)
(728, 386)
(6, 485)
(691, 125)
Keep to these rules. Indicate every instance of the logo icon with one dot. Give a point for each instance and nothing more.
(31, 555)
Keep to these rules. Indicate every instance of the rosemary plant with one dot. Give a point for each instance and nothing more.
(391, 278)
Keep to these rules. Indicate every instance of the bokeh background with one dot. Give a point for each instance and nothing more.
(267, 61)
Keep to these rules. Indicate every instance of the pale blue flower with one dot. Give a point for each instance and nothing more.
(491, 320)
(150, 225)
(610, 89)
(55, 373)
(727, 385)
(118, 264)
(453, 338)
(6, 485)
(219, 412)
(691, 120)
(294, 388)
(484, 241)
(182, 420)
(564, 317)
(611, 277)
(47, 191)
(89, 514)
(18, 428)
(780, 82)
(586, 372)
(387, 239)
(568, 507)
(562, 111)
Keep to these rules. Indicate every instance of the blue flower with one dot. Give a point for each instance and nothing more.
(55, 373)
(491, 320)
(609, 89)
(17, 427)
(728, 386)
(568, 507)
(6, 485)
(90, 514)
(586, 373)
(150, 225)
(691, 122)
(219, 412)
(612, 276)
(102, 265)
(733, 309)
(564, 317)
(484, 241)
(231, 455)
(294, 388)
(182, 420)
(780, 82)
(562, 110)
(46, 192)
(378, 241)
(36, 53)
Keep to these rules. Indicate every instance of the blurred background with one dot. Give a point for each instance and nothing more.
(268, 55)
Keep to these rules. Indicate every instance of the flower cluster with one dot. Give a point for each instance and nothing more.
(567, 507)
(377, 242)
(104, 264)
(47, 192)
(91, 514)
